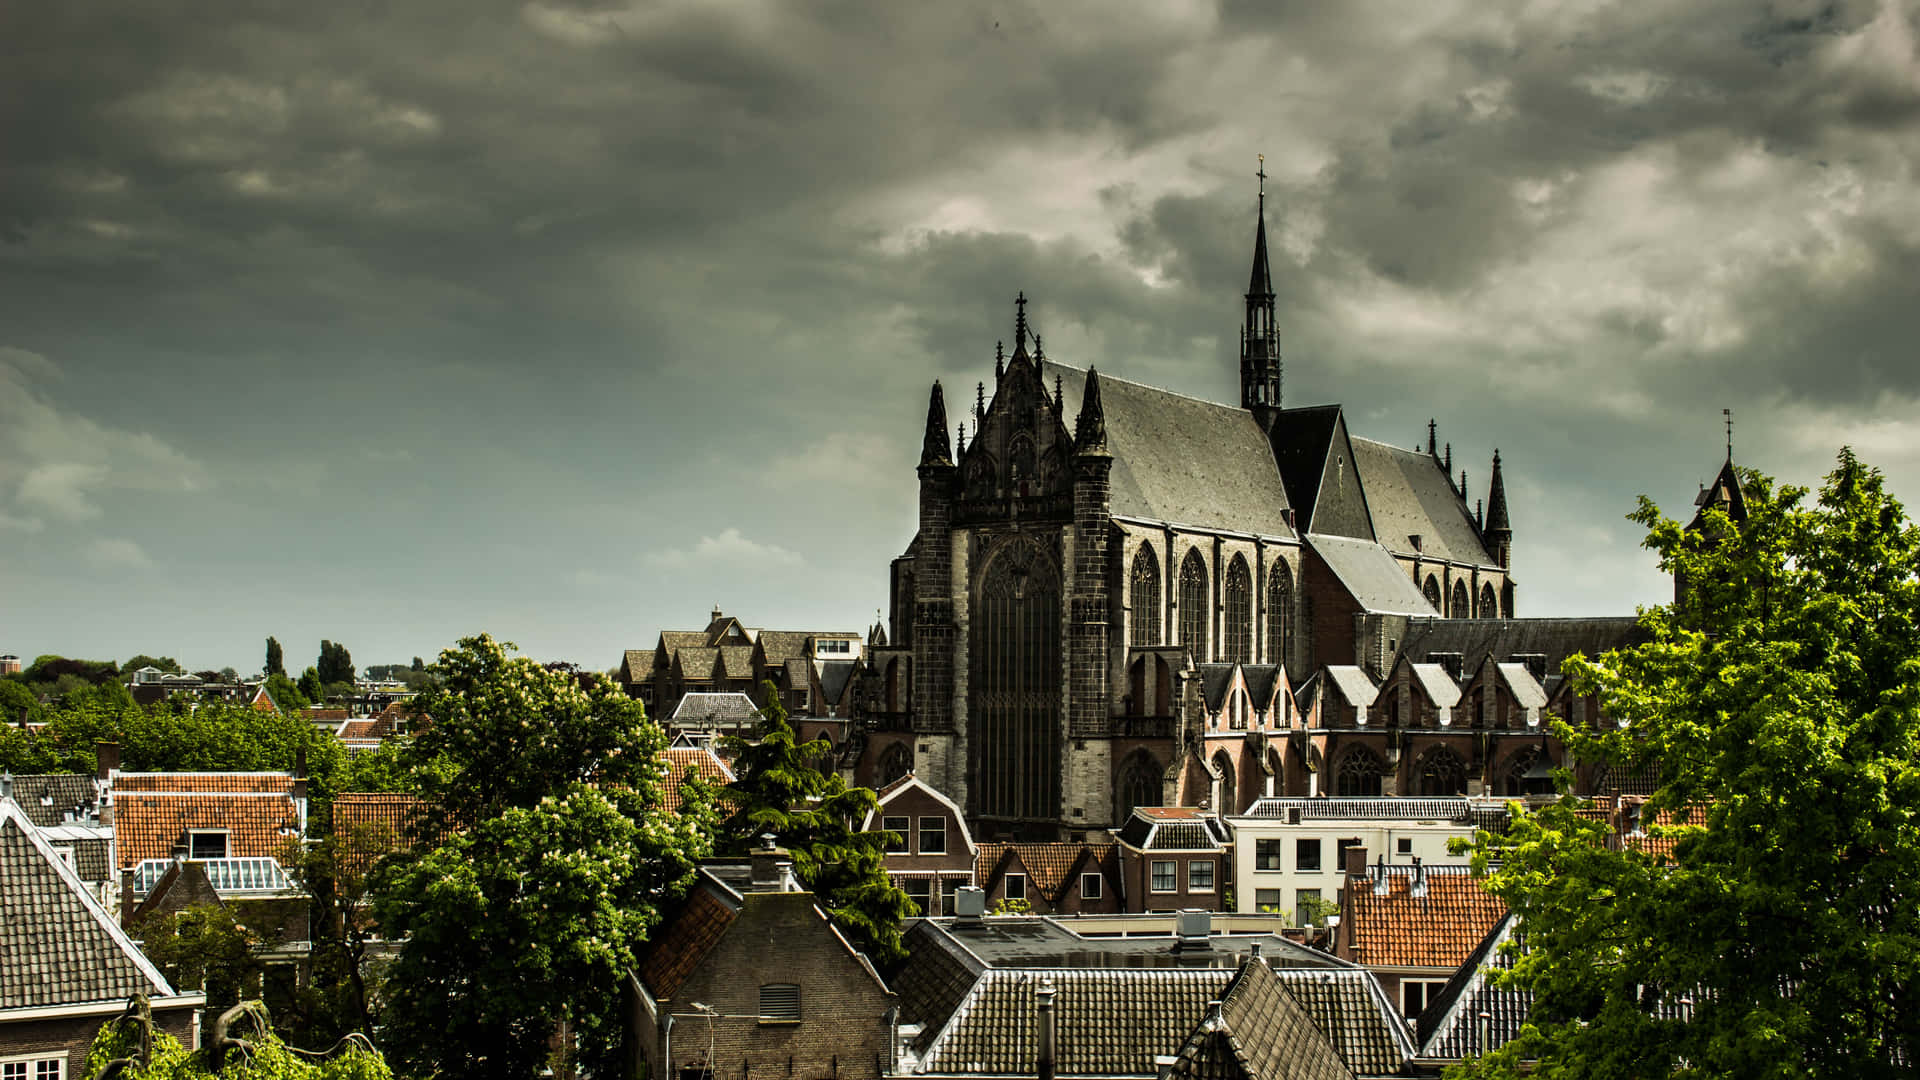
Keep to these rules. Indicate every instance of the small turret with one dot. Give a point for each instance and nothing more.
(936, 451)
(1499, 531)
(1090, 430)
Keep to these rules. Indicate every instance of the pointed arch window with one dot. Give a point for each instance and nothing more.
(1238, 632)
(1015, 684)
(1431, 590)
(1139, 783)
(1442, 773)
(894, 764)
(1228, 786)
(1457, 605)
(1489, 607)
(1514, 780)
(1145, 607)
(1193, 606)
(1279, 614)
(1360, 773)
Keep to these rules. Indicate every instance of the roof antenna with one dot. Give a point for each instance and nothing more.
(1728, 413)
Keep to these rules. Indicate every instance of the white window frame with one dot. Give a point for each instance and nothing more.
(1016, 887)
(1319, 854)
(905, 830)
(226, 843)
(1091, 887)
(1431, 987)
(940, 831)
(1276, 907)
(30, 1066)
(1153, 876)
(1262, 862)
(1213, 875)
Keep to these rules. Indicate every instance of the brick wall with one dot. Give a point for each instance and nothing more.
(72, 1036)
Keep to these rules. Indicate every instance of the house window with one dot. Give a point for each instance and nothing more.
(1090, 885)
(933, 836)
(950, 893)
(1200, 875)
(920, 891)
(1016, 886)
(66, 856)
(1416, 994)
(1306, 903)
(779, 1003)
(1404, 845)
(1163, 879)
(1306, 855)
(1266, 901)
(1266, 855)
(899, 827)
(34, 1068)
(207, 844)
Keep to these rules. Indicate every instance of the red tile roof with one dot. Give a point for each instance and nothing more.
(1048, 866)
(703, 762)
(1438, 930)
(384, 817)
(677, 952)
(152, 812)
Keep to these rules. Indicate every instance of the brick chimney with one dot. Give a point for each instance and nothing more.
(1043, 998)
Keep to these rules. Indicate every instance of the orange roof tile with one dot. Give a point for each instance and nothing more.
(1047, 866)
(152, 812)
(390, 816)
(678, 760)
(677, 952)
(1438, 930)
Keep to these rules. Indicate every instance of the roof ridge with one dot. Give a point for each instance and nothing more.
(1107, 377)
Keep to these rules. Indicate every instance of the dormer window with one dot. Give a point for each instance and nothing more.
(205, 844)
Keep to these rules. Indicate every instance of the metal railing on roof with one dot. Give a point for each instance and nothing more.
(257, 874)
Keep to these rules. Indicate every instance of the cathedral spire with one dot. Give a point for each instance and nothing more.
(1020, 325)
(1433, 428)
(1499, 530)
(936, 451)
(1090, 430)
(1260, 367)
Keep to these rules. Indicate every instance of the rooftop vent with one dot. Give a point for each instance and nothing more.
(970, 904)
(1194, 926)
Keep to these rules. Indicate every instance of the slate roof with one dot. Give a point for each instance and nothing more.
(1527, 693)
(53, 798)
(1184, 828)
(1371, 575)
(1384, 808)
(1409, 494)
(1179, 459)
(736, 661)
(1215, 681)
(1115, 1021)
(153, 811)
(834, 676)
(57, 945)
(1260, 679)
(1439, 929)
(1436, 684)
(1259, 1033)
(701, 760)
(1299, 445)
(1352, 684)
(1556, 639)
(706, 708)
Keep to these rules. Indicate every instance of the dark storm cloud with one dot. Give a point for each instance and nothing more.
(605, 299)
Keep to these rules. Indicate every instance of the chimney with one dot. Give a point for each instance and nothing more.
(969, 905)
(106, 758)
(1043, 998)
(1356, 860)
(1380, 876)
(1419, 886)
(766, 862)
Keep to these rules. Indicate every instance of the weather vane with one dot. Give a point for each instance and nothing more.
(1262, 174)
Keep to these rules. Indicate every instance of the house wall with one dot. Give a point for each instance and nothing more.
(1137, 872)
(73, 1035)
(781, 938)
(1426, 841)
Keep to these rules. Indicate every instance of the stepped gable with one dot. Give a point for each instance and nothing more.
(1182, 460)
(1409, 494)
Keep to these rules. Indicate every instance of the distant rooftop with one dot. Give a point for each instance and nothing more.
(1012, 941)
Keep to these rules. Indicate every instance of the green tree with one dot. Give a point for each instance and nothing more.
(285, 693)
(276, 662)
(791, 790)
(335, 872)
(336, 664)
(267, 1057)
(311, 687)
(165, 663)
(559, 857)
(1778, 702)
(17, 703)
(203, 948)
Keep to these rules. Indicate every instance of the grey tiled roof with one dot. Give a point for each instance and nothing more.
(1526, 692)
(1215, 679)
(1179, 459)
(1260, 1033)
(1450, 1028)
(1438, 685)
(1371, 575)
(1556, 639)
(57, 946)
(1353, 684)
(1409, 494)
(1260, 682)
(1384, 808)
(53, 798)
(834, 675)
(1356, 1017)
(715, 708)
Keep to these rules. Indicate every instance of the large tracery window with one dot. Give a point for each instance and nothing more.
(1457, 607)
(1279, 612)
(1146, 597)
(1015, 647)
(1239, 629)
(1139, 783)
(1489, 607)
(1442, 773)
(894, 764)
(1431, 590)
(1193, 606)
(1514, 780)
(1228, 786)
(1360, 773)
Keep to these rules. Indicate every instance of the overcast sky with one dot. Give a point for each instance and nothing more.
(391, 323)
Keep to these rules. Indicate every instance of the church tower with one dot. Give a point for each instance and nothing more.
(1260, 369)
